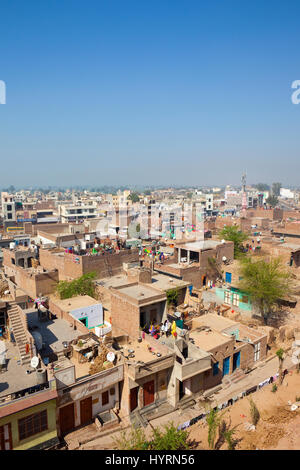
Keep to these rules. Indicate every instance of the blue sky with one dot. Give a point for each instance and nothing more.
(139, 92)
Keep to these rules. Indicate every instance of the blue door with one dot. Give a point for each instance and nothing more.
(236, 360)
(226, 365)
(228, 278)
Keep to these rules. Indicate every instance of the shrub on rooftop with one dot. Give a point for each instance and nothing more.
(84, 285)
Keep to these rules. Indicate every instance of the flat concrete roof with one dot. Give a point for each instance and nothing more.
(208, 340)
(200, 245)
(139, 292)
(80, 301)
(15, 378)
(291, 246)
(165, 282)
(214, 321)
(54, 332)
(114, 281)
(143, 353)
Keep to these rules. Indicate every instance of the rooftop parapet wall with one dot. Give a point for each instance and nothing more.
(72, 266)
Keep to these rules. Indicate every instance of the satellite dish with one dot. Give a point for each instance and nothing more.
(110, 357)
(224, 258)
(223, 241)
(34, 362)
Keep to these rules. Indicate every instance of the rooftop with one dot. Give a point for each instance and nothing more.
(208, 340)
(214, 321)
(164, 282)
(146, 351)
(53, 332)
(114, 281)
(15, 378)
(200, 245)
(80, 301)
(139, 291)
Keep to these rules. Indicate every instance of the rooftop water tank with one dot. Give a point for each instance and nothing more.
(41, 376)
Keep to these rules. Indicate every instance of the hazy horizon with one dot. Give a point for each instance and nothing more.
(161, 93)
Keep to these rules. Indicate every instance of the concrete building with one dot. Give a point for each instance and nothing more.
(76, 213)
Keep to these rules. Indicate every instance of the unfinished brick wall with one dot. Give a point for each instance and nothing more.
(51, 228)
(125, 317)
(219, 353)
(194, 276)
(221, 222)
(109, 264)
(139, 275)
(293, 214)
(272, 214)
(260, 222)
(224, 249)
(72, 266)
(35, 284)
(48, 260)
(291, 227)
(247, 353)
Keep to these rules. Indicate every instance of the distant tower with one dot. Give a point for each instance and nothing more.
(244, 182)
(244, 194)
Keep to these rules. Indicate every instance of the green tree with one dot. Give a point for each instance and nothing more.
(276, 189)
(135, 439)
(213, 420)
(172, 297)
(169, 438)
(280, 355)
(272, 200)
(84, 285)
(234, 234)
(134, 197)
(262, 187)
(166, 438)
(265, 282)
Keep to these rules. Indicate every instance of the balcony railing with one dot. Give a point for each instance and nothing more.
(24, 393)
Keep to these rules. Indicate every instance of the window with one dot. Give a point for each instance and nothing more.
(227, 297)
(256, 352)
(9, 207)
(105, 398)
(216, 368)
(245, 299)
(9, 215)
(236, 299)
(32, 424)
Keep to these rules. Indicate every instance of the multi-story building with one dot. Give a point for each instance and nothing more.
(77, 212)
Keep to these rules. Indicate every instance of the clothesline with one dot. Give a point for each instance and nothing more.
(231, 400)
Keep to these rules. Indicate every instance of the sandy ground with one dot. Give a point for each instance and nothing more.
(278, 427)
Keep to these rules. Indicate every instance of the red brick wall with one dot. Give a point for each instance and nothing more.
(36, 284)
(48, 260)
(125, 317)
(69, 269)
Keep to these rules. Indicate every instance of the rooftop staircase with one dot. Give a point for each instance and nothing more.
(18, 325)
